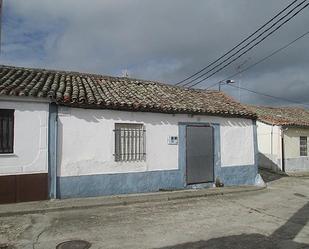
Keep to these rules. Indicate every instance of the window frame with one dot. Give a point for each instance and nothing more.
(303, 148)
(126, 139)
(10, 115)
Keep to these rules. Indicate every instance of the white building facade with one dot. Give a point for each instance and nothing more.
(86, 155)
(24, 169)
(283, 139)
(66, 135)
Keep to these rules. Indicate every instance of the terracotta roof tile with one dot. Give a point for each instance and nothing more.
(106, 92)
(283, 116)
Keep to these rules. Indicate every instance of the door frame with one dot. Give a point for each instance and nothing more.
(182, 149)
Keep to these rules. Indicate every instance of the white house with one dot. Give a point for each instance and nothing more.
(283, 138)
(68, 134)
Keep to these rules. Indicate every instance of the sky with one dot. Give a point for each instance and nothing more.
(162, 40)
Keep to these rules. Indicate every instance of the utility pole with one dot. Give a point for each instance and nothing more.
(238, 68)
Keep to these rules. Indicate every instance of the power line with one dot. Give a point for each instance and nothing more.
(243, 41)
(247, 50)
(262, 60)
(243, 47)
(249, 43)
(268, 95)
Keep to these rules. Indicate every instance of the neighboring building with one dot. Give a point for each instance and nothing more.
(283, 138)
(68, 134)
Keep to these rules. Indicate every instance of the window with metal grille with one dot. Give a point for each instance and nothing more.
(303, 146)
(6, 131)
(130, 142)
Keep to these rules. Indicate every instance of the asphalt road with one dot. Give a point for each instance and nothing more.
(273, 218)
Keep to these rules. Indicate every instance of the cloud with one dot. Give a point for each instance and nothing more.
(163, 40)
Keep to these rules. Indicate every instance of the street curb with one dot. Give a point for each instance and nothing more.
(121, 200)
(298, 174)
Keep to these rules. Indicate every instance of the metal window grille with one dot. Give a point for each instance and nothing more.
(130, 142)
(303, 146)
(6, 131)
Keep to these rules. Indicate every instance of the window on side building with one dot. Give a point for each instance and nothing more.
(303, 146)
(130, 142)
(6, 131)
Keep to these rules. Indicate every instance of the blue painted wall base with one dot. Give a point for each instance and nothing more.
(114, 184)
(142, 182)
(238, 175)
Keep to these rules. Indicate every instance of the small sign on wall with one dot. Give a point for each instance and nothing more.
(172, 140)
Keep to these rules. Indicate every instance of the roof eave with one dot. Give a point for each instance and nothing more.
(155, 110)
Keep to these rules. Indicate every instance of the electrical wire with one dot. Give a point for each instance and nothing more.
(191, 81)
(243, 41)
(243, 47)
(269, 96)
(250, 48)
(261, 60)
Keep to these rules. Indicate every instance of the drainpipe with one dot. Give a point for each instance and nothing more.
(256, 150)
(282, 150)
(271, 141)
(52, 150)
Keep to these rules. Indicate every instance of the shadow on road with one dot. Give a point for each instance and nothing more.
(269, 176)
(281, 238)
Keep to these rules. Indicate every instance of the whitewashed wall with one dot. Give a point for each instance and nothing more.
(293, 161)
(269, 146)
(30, 139)
(86, 141)
(292, 141)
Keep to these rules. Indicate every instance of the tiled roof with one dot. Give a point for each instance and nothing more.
(98, 91)
(283, 116)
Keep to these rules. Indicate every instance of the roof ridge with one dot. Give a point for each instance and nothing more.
(104, 76)
(100, 76)
(55, 70)
(277, 107)
(284, 116)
